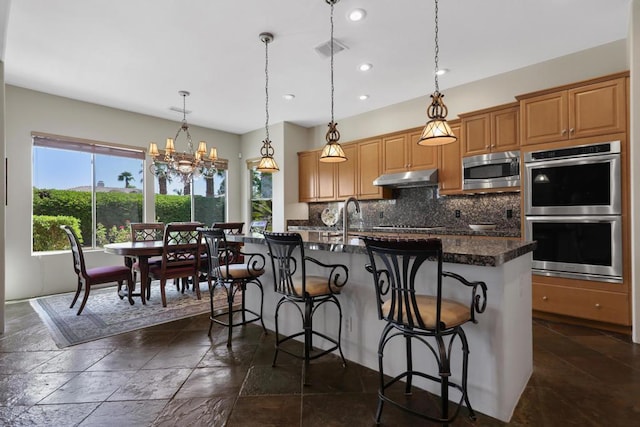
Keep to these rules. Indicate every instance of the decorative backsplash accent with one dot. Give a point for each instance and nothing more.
(422, 207)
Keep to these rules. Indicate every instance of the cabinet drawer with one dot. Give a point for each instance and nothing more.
(603, 306)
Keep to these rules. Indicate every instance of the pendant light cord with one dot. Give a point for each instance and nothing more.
(266, 86)
(437, 49)
(332, 87)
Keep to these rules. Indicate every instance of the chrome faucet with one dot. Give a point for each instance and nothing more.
(345, 216)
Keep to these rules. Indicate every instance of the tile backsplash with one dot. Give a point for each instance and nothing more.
(422, 207)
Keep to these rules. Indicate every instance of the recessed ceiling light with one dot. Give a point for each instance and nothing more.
(442, 71)
(357, 15)
(288, 96)
(365, 67)
(363, 97)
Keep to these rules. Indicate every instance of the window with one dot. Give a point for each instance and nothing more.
(93, 186)
(204, 200)
(261, 193)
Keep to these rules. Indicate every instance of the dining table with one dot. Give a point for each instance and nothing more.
(142, 251)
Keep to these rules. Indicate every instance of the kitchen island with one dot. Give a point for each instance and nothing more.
(500, 361)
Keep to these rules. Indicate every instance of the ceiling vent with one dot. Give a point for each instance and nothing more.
(324, 49)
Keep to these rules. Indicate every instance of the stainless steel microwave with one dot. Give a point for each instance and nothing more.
(493, 170)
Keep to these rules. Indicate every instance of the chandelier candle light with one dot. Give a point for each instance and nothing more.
(332, 151)
(437, 130)
(185, 165)
(267, 162)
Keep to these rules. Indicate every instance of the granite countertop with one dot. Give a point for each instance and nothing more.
(398, 232)
(460, 250)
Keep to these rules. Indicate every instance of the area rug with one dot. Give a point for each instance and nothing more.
(105, 314)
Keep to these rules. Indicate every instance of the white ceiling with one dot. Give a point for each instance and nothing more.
(136, 55)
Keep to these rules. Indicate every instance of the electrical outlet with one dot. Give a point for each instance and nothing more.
(381, 214)
(509, 213)
(457, 213)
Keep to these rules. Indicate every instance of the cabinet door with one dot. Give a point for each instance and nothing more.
(544, 118)
(347, 173)
(450, 166)
(326, 189)
(370, 161)
(597, 109)
(421, 157)
(307, 176)
(395, 157)
(505, 129)
(476, 131)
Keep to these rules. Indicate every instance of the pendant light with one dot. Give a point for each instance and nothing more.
(332, 151)
(267, 162)
(437, 130)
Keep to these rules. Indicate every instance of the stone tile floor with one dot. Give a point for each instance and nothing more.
(174, 374)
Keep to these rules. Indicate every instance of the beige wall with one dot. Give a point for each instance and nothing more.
(27, 275)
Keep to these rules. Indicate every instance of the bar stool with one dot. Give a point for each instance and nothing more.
(224, 272)
(287, 254)
(433, 320)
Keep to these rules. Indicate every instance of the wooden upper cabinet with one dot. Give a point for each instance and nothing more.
(395, 155)
(370, 161)
(422, 157)
(491, 130)
(450, 163)
(402, 153)
(307, 176)
(327, 185)
(347, 173)
(587, 110)
(505, 128)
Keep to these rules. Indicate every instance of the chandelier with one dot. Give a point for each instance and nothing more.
(267, 162)
(186, 165)
(332, 151)
(437, 130)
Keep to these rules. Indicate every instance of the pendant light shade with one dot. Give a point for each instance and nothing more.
(437, 130)
(332, 151)
(267, 162)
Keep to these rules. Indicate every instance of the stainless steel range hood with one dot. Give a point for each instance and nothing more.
(419, 178)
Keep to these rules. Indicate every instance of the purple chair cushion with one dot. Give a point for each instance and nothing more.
(109, 273)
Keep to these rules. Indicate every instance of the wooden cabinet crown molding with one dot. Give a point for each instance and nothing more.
(573, 85)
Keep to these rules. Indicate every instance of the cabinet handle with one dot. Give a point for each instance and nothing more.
(598, 305)
(544, 298)
(564, 132)
(571, 131)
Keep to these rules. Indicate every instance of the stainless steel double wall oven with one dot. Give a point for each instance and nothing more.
(573, 200)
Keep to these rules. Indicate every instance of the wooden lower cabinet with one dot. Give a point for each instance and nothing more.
(591, 304)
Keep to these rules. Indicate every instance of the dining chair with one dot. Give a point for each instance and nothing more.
(229, 227)
(424, 310)
(226, 273)
(180, 256)
(88, 277)
(311, 291)
(145, 231)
